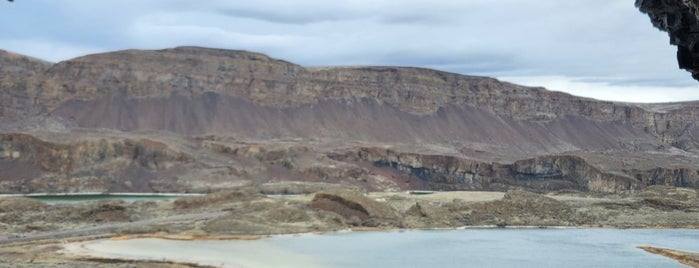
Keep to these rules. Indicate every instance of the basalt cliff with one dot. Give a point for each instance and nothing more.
(193, 119)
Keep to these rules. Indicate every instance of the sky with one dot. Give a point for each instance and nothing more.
(594, 48)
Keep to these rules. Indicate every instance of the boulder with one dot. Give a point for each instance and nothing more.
(355, 208)
(680, 19)
(426, 215)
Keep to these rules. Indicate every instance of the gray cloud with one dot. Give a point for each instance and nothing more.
(282, 18)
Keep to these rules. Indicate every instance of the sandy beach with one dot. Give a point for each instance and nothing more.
(251, 254)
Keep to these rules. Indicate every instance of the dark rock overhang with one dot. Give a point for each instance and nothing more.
(680, 18)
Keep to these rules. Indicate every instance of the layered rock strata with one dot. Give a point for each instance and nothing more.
(120, 89)
(193, 119)
(29, 164)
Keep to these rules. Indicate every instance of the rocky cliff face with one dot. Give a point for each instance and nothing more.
(516, 136)
(133, 90)
(543, 174)
(29, 164)
(680, 19)
(119, 77)
(19, 83)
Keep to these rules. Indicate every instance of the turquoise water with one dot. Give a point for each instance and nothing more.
(493, 248)
(447, 248)
(56, 199)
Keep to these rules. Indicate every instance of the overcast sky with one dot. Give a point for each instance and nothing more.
(604, 49)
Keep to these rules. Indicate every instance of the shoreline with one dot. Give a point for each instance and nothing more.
(261, 255)
(101, 194)
(213, 237)
(78, 251)
(236, 215)
(96, 250)
(683, 257)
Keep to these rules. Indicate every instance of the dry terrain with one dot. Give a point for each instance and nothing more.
(37, 233)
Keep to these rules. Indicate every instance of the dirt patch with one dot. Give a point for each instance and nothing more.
(20, 204)
(237, 195)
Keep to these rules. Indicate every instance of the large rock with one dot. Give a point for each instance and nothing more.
(680, 19)
(266, 216)
(520, 208)
(357, 209)
(670, 198)
(542, 174)
(30, 164)
(426, 215)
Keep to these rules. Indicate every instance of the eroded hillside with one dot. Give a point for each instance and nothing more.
(196, 119)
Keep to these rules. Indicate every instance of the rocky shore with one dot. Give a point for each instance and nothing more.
(37, 232)
(688, 258)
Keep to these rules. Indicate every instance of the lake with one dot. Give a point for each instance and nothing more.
(437, 248)
(81, 197)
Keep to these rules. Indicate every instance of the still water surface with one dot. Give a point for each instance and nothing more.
(80, 198)
(448, 248)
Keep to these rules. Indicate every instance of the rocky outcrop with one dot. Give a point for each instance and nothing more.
(522, 208)
(668, 198)
(66, 158)
(680, 19)
(678, 177)
(29, 164)
(684, 257)
(428, 215)
(356, 209)
(437, 171)
(569, 172)
(543, 174)
(19, 81)
(264, 216)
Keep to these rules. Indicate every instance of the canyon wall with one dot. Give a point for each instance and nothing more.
(120, 80)
(518, 136)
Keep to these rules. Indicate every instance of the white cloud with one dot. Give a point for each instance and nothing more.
(611, 92)
(49, 50)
